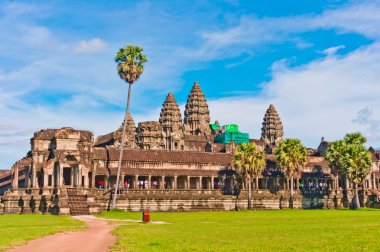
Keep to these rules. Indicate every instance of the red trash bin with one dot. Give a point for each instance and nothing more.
(146, 216)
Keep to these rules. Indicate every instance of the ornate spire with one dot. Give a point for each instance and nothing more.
(171, 121)
(130, 132)
(197, 115)
(272, 130)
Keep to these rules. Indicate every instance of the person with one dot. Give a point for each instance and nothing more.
(141, 184)
(126, 184)
(146, 184)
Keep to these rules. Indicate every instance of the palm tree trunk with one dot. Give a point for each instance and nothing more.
(357, 202)
(291, 193)
(122, 147)
(347, 185)
(249, 194)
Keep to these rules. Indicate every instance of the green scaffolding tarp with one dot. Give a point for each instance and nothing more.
(227, 137)
(231, 128)
(214, 126)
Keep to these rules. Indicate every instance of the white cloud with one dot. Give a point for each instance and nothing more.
(93, 45)
(332, 50)
(318, 99)
(365, 117)
(314, 100)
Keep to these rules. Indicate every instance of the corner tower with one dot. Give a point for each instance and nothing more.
(272, 130)
(130, 133)
(197, 115)
(171, 121)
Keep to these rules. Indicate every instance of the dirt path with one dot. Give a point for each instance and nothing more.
(97, 238)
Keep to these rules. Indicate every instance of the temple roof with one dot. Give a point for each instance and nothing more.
(49, 134)
(222, 159)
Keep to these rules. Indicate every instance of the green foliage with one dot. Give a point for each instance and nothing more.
(248, 160)
(285, 230)
(334, 154)
(291, 156)
(18, 229)
(130, 63)
(356, 162)
(349, 156)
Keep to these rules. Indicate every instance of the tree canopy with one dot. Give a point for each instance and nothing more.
(291, 156)
(248, 160)
(130, 63)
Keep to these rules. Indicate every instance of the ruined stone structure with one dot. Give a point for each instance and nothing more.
(272, 130)
(149, 136)
(168, 165)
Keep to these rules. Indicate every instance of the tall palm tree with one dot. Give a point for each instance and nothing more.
(291, 156)
(333, 155)
(350, 157)
(249, 162)
(357, 163)
(130, 66)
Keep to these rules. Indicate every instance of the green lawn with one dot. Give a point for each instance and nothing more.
(17, 229)
(285, 230)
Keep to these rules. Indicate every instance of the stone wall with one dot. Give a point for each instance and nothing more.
(179, 200)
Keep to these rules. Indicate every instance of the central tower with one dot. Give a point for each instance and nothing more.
(197, 115)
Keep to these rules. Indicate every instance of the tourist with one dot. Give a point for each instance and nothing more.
(146, 184)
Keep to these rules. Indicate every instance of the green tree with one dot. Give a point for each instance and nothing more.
(291, 156)
(130, 66)
(249, 162)
(350, 157)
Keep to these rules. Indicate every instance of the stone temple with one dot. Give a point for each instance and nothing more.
(171, 164)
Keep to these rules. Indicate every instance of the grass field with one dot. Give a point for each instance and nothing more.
(286, 230)
(17, 229)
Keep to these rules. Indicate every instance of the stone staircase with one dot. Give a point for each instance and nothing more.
(77, 202)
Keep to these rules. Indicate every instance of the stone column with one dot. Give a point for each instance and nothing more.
(175, 182)
(15, 178)
(149, 182)
(257, 183)
(45, 182)
(34, 184)
(188, 182)
(200, 183)
(122, 177)
(93, 178)
(162, 185)
(71, 176)
(60, 182)
(86, 180)
(374, 181)
(136, 182)
(107, 181)
(212, 182)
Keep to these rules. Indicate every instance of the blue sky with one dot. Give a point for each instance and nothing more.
(317, 61)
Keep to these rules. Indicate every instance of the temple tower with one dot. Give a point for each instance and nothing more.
(272, 130)
(171, 122)
(197, 115)
(130, 131)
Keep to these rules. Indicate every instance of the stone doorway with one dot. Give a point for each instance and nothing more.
(67, 176)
